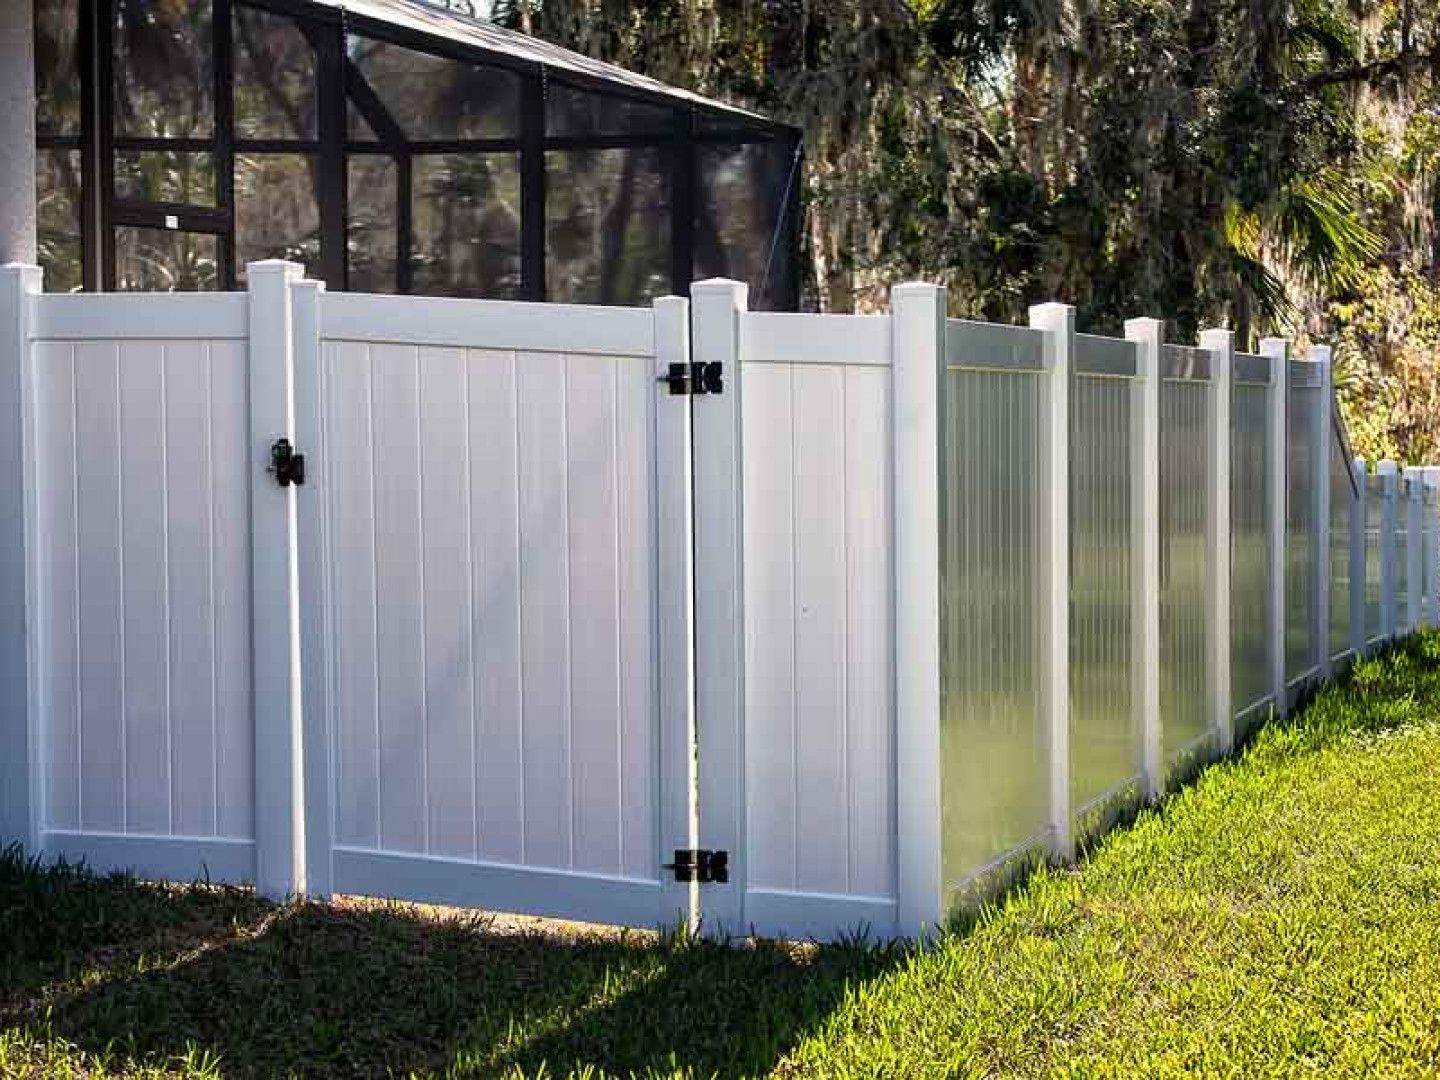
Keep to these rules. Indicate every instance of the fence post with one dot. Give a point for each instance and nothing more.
(1145, 546)
(675, 545)
(1057, 322)
(1389, 487)
(917, 321)
(1324, 449)
(313, 768)
(1414, 547)
(1359, 635)
(1221, 346)
(1277, 351)
(21, 773)
(716, 310)
(274, 569)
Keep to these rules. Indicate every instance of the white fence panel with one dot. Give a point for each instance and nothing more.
(1302, 655)
(1415, 547)
(1184, 460)
(819, 679)
(992, 726)
(1106, 750)
(1376, 579)
(497, 738)
(1250, 619)
(143, 584)
(1343, 495)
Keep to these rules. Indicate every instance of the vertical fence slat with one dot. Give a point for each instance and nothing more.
(1277, 350)
(716, 307)
(275, 634)
(21, 776)
(1145, 543)
(1221, 346)
(918, 353)
(1057, 322)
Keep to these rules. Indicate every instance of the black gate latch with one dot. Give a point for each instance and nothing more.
(701, 865)
(695, 378)
(288, 466)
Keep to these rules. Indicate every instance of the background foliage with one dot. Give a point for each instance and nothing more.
(1270, 165)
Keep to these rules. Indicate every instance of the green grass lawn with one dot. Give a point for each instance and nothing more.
(1280, 916)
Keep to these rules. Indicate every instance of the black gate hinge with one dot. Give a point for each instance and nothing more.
(701, 864)
(695, 378)
(288, 466)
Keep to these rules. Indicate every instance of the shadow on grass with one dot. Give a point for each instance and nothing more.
(150, 972)
(379, 990)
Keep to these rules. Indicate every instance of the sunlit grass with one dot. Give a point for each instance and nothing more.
(1279, 917)
(1282, 916)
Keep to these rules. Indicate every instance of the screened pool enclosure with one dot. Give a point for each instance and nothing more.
(389, 146)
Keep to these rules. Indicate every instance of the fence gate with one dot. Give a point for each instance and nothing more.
(495, 553)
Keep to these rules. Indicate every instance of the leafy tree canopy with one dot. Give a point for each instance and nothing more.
(1270, 165)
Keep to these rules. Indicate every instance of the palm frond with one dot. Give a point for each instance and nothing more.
(1318, 227)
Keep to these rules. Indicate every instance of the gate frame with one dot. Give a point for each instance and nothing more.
(554, 893)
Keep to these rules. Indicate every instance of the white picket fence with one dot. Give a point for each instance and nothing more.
(909, 603)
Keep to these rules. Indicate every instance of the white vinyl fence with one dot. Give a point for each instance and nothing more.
(897, 606)
(142, 583)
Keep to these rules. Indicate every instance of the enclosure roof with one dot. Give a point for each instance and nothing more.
(435, 22)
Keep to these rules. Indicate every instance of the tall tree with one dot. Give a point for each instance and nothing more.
(1265, 164)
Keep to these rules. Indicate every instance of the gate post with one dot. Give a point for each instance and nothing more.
(675, 614)
(1358, 506)
(1221, 346)
(274, 569)
(716, 308)
(1145, 548)
(314, 766)
(1277, 351)
(1057, 322)
(21, 776)
(917, 345)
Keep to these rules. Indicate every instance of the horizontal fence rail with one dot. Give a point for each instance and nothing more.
(786, 624)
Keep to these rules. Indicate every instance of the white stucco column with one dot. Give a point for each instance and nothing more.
(17, 132)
